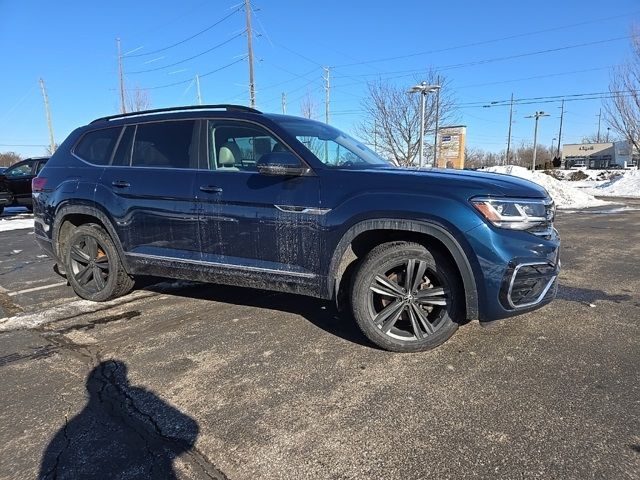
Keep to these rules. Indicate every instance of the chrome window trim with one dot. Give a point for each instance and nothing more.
(513, 279)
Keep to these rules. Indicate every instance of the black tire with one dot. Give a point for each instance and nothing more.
(93, 267)
(402, 319)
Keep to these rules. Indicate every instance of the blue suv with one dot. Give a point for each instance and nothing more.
(227, 194)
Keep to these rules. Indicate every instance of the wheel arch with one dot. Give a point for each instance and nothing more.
(365, 235)
(69, 216)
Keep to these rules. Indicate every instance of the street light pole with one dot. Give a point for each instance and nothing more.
(537, 116)
(423, 89)
(435, 131)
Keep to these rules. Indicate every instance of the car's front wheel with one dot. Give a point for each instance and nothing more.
(405, 298)
(93, 266)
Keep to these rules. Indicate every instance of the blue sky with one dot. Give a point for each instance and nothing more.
(72, 45)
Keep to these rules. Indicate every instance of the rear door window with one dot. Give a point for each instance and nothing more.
(96, 147)
(165, 144)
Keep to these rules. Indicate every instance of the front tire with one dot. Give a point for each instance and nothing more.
(406, 298)
(93, 267)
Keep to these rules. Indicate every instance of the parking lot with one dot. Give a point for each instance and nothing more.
(204, 381)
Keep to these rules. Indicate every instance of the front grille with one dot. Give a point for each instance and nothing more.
(526, 285)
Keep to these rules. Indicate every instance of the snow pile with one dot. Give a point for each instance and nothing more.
(627, 185)
(562, 192)
(15, 222)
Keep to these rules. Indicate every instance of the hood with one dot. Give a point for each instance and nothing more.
(475, 183)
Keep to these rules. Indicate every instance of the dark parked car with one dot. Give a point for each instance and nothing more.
(230, 195)
(15, 182)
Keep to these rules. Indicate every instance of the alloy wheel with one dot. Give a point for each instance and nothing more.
(408, 301)
(90, 264)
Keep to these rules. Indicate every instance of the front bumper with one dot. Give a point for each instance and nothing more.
(529, 284)
(518, 270)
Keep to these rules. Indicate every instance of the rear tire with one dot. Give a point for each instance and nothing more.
(93, 266)
(405, 298)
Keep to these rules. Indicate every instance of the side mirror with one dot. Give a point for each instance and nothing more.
(284, 164)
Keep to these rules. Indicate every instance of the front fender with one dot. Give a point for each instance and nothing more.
(459, 250)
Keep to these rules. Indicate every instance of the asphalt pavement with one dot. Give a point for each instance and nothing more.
(180, 380)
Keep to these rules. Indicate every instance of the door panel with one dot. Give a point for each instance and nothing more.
(152, 200)
(18, 182)
(241, 224)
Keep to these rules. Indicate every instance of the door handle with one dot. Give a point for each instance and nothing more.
(120, 184)
(210, 189)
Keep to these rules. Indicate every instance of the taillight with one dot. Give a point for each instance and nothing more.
(37, 184)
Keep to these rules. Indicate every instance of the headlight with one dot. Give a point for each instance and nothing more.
(516, 213)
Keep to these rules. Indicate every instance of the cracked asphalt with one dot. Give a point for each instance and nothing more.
(201, 381)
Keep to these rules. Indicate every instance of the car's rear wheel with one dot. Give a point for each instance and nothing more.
(93, 266)
(406, 298)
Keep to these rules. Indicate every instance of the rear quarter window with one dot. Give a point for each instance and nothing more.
(96, 147)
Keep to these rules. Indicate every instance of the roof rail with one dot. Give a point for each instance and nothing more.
(223, 106)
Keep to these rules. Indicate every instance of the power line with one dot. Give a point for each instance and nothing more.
(490, 60)
(201, 76)
(485, 42)
(186, 39)
(190, 58)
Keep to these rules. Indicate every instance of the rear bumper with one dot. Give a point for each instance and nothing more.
(45, 244)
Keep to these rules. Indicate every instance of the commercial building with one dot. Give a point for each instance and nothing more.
(598, 155)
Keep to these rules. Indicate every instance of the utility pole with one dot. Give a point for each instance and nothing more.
(52, 142)
(123, 107)
(536, 115)
(199, 95)
(252, 85)
(599, 117)
(509, 134)
(327, 93)
(435, 132)
(560, 131)
(284, 103)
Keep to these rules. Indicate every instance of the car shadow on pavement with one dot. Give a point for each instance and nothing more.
(587, 295)
(123, 431)
(322, 313)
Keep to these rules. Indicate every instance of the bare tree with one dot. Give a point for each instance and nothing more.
(9, 158)
(308, 107)
(592, 138)
(523, 156)
(392, 118)
(479, 158)
(623, 109)
(138, 99)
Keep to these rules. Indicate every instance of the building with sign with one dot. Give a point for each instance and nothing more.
(451, 143)
(597, 155)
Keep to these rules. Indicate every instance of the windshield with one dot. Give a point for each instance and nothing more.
(331, 146)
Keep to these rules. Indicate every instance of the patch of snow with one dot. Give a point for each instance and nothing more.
(15, 223)
(626, 185)
(562, 192)
(15, 252)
